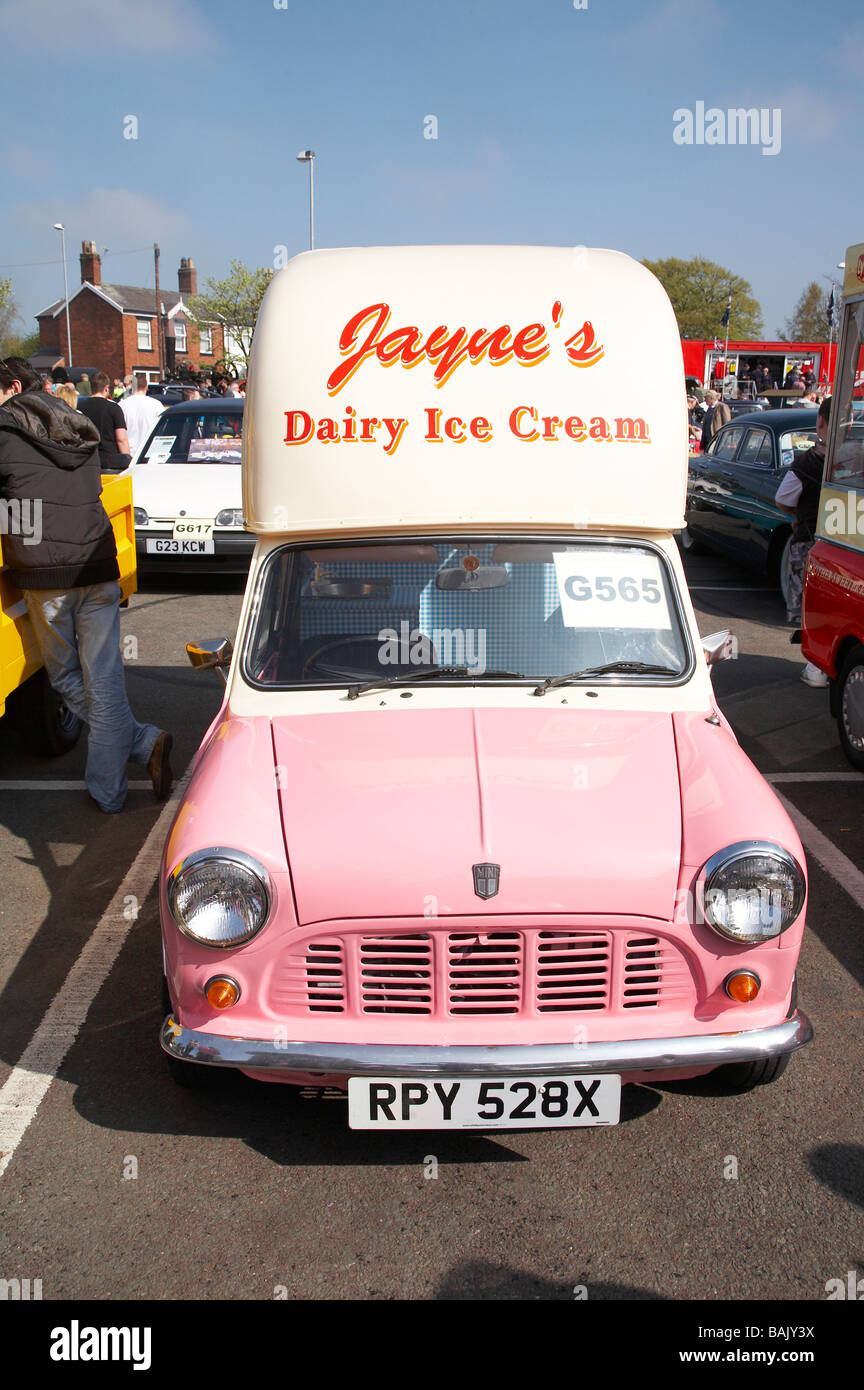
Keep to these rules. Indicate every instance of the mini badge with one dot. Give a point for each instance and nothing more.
(486, 878)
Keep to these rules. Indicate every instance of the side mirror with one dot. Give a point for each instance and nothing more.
(211, 652)
(720, 646)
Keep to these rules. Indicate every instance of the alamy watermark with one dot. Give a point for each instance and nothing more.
(443, 646)
(736, 126)
(21, 516)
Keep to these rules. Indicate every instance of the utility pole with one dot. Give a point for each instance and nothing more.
(158, 313)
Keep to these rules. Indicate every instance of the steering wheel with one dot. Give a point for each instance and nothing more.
(333, 646)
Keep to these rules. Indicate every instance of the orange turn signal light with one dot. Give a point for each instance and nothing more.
(221, 993)
(742, 986)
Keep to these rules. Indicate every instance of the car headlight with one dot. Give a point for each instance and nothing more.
(220, 897)
(231, 516)
(751, 892)
(140, 516)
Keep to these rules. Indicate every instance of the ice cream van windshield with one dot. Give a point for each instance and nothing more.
(464, 610)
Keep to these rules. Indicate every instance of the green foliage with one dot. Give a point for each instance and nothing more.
(699, 291)
(234, 302)
(21, 347)
(9, 316)
(809, 321)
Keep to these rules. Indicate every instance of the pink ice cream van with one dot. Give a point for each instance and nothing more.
(469, 837)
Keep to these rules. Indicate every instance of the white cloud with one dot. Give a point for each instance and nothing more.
(807, 116)
(675, 22)
(99, 26)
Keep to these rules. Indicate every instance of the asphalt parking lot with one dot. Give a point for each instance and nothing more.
(108, 1173)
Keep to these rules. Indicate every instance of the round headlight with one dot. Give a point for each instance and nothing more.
(751, 892)
(219, 897)
(140, 517)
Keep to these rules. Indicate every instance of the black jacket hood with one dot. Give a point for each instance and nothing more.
(64, 435)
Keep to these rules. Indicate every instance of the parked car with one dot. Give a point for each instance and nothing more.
(171, 393)
(186, 484)
(732, 485)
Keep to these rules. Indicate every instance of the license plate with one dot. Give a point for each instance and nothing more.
(178, 547)
(191, 530)
(523, 1102)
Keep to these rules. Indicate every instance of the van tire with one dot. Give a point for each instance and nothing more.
(689, 544)
(779, 558)
(189, 1076)
(740, 1077)
(850, 706)
(45, 722)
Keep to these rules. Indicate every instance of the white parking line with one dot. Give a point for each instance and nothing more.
(832, 859)
(777, 777)
(26, 1085)
(43, 786)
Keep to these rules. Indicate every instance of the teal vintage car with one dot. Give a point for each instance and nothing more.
(732, 485)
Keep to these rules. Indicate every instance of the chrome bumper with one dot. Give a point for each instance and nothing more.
(544, 1059)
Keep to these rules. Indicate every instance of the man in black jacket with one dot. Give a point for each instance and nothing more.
(799, 493)
(67, 569)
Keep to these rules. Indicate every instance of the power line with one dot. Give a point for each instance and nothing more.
(20, 265)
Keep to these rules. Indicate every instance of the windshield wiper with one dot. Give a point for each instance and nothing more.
(387, 681)
(631, 668)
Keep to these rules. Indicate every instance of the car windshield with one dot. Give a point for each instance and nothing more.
(195, 436)
(794, 443)
(464, 610)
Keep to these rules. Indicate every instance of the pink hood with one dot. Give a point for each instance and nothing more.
(385, 812)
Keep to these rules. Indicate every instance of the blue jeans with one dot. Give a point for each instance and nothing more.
(78, 632)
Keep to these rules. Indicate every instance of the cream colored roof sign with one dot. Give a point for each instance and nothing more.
(396, 388)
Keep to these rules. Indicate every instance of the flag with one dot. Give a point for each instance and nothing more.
(727, 312)
(830, 313)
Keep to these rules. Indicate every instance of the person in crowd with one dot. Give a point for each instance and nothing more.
(106, 415)
(140, 412)
(799, 494)
(717, 414)
(794, 380)
(119, 390)
(48, 385)
(694, 427)
(69, 580)
(190, 393)
(84, 387)
(66, 391)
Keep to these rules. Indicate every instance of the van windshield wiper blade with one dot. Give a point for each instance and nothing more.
(387, 681)
(631, 668)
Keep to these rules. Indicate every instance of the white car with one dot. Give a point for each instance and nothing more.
(187, 491)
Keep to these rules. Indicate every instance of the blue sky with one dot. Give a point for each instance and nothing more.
(555, 126)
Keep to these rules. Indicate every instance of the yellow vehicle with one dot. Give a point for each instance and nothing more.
(26, 697)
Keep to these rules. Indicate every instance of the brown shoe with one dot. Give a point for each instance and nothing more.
(159, 766)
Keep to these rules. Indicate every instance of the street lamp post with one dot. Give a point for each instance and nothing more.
(308, 157)
(58, 227)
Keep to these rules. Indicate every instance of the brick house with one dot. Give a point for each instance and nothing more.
(115, 328)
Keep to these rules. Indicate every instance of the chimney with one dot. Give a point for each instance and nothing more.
(187, 277)
(91, 263)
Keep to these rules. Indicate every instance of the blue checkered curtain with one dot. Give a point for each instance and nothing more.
(521, 620)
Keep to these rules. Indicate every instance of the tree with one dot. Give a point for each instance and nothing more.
(234, 302)
(809, 321)
(699, 291)
(9, 316)
(21, 347)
